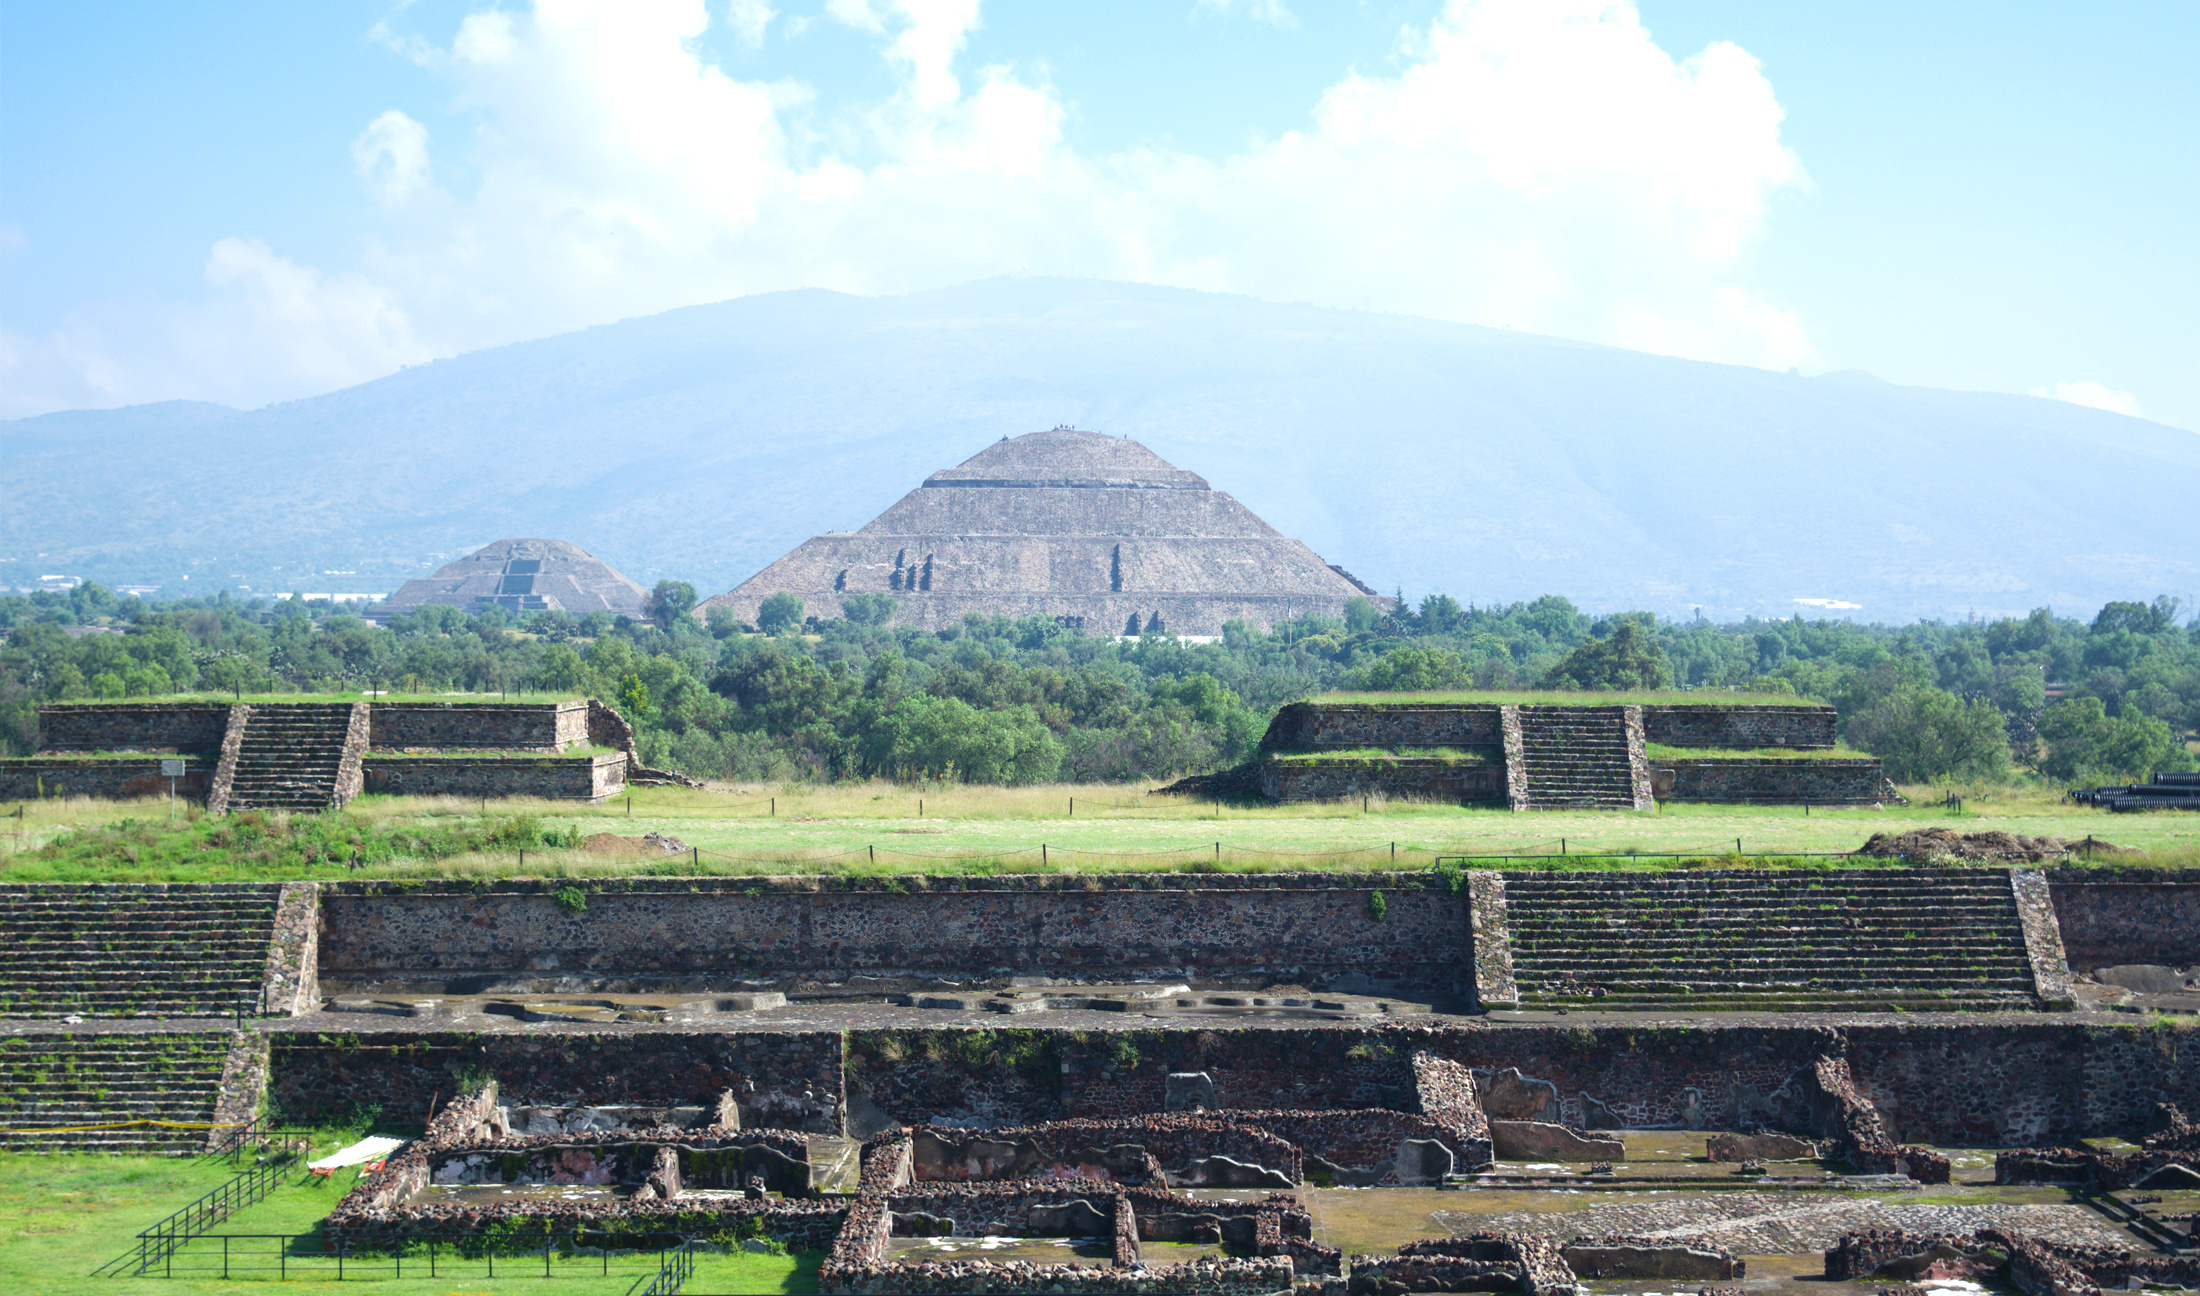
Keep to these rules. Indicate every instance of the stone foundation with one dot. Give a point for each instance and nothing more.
(1769, 781)
(23, 778)
(572, 778)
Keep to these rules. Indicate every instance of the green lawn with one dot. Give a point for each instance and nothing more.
(64, 1217)
(872, 827)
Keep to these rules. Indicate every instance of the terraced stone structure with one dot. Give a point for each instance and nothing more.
(310, 756)
(1094, 531)
(1548, 756)
(522, 576)
(1764, 939)
(1170, 1135)
(151, 950)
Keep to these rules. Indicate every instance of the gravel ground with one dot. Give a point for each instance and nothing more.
(1786, 1223)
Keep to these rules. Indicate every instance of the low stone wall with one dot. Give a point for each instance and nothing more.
(1252, 1068)
(1402, 777)
(1444, 1091)
(2031, 1264)
(2109, 917)
(477, 726)
(1769, 781)
(786, 1080)
(132, 726)
(567, 778)
(1311, 726)
(1315, 929)
(23, 778)
(1712, 725)
(1180, 1148)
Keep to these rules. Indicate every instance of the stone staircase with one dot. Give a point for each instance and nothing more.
(163, 950)
(1772, 939)
(291, 757)
(1576, 757)
(53, 1085)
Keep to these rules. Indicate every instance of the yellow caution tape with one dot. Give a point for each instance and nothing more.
(79, 1129)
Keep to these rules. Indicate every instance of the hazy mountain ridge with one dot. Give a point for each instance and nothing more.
(705, 442)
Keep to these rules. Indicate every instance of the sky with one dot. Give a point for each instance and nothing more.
(255, 202)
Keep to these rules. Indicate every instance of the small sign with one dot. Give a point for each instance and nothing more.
(172, 768)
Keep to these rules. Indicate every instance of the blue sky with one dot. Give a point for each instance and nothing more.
(253, 202)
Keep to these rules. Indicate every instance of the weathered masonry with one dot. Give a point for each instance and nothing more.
(318, 755)
(1619, 757)
(1095, 531)
(849, 1068)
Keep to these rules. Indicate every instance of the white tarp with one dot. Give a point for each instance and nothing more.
(365, 1150)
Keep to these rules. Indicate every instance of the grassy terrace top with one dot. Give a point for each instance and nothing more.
(857, 830)
(1494, 697)
(380, 699)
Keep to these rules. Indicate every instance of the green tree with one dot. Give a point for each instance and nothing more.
(1360, 615)
(1629, 659)
(668, 603)
(2083, 743)
(559, 670)
(1923, 734)
(868, 609)
(633, 698)
(1413, 669)
(779, 614)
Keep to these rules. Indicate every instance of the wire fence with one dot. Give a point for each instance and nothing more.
(458, 1256)
(158, 1244)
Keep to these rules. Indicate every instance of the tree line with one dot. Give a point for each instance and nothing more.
(1000, 700)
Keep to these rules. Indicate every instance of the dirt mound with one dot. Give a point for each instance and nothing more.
(1983, 845)
(613, 844)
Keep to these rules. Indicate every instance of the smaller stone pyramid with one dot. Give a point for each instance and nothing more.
(523, 576)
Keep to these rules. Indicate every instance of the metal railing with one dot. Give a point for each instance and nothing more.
(673, 1268)
(259, 1129)
(158, 1243)
(284, 1256)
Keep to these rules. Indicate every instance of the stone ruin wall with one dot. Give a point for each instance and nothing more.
(2035, 1083)
(190, 727)
(1826, 781)
(1316, 928)
(133, 726)
(1310, 726)
(479, 726)
(1403, 777)
(784, 1080)
(2108, 917)
(1712, 725)
(108, 777)
(576, 778)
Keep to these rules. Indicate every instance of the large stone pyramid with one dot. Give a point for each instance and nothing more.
(523, 576)
(1089, 529)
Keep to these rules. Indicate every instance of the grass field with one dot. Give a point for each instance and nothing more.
(64, 1219)
(881, 828)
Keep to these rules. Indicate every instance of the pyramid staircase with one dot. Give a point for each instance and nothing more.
(291, 757)
(1576, 757)
(53, 1086)
(164, 950)
(1769, 939)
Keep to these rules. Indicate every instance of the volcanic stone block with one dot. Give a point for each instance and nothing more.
(1541, 1141)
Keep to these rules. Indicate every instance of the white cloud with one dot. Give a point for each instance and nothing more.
(2093, 395)
(267, 328)
(749, 18)
(391, 157)
(1535, 163)
(1267, 11)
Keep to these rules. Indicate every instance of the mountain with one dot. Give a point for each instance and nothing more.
(703, 443)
